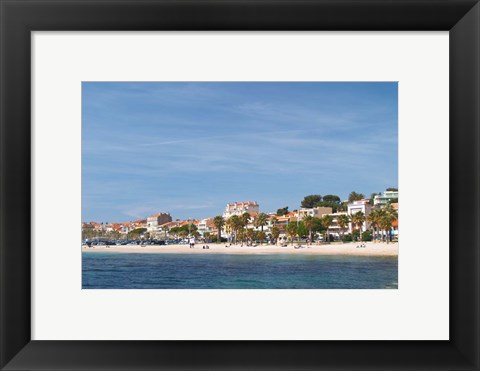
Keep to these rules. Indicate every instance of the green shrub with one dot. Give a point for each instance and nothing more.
(347, 238)
(367, 236)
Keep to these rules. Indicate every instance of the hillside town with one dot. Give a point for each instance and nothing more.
(320, 219)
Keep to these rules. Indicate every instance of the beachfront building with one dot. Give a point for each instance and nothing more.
(271, 221)
(127, 227)
(99, 227)
(316, 212)
(155, 221)
(238, 208)
(140, 223)
(202, 226)
(282, 222)
(382, 200)
(206, 226)
(357, 206)
(165, 228)
(334, 229)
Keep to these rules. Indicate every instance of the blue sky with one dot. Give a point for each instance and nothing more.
(191, 148)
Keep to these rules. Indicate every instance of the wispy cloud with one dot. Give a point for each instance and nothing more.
(190, 148)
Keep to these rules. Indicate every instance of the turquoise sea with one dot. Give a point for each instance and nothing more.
(225, 271)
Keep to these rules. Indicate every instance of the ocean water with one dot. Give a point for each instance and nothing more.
(224, 271)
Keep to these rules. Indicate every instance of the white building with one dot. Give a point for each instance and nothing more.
(334, 229)
(206, 226)
(356, 206)
(382, 200)
(238, 208)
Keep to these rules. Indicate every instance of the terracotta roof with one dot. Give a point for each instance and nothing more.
(210, 224)
(253, 203)
(171, 224)
(186, 222)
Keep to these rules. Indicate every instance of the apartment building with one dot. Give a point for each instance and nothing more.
(238, 208)
(357, 206)
(316, 212)
(382, 200)
(155, 221)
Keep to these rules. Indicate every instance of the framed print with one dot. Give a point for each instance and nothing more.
(120, 269)
(178, 150)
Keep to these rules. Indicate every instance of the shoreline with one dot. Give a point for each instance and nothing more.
(370, 249)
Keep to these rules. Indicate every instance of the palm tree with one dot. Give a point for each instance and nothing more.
(273, 221)
(387, 219)
(234, 224)
(261, 220)
(386, 225)
(275, 231)
(219, 222)
(206, 235)
(342, 221)
(327, 221)
(354, 196)
(391, 211)
(242, 235)
(374, 219)
(166, 230)
(244, 220)
(260, 235)
(358, 219)
(228, 228)
(292, 230)
(250, 234)
(309, 222)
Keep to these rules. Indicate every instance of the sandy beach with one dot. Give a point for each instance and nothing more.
(370, 249)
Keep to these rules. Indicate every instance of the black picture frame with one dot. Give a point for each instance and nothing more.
(18, 18)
